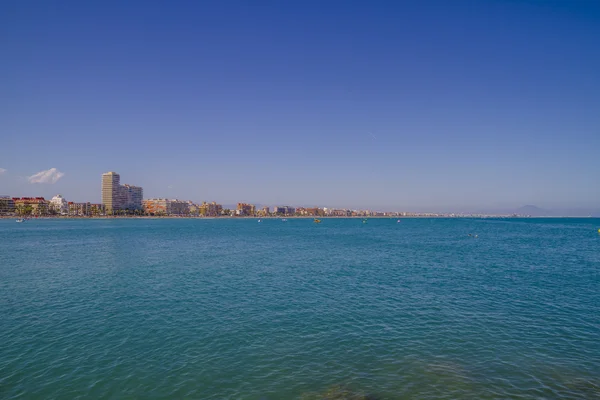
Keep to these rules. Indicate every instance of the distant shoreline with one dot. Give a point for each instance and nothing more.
(293, 217)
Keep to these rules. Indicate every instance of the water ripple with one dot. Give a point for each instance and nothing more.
(218, 309)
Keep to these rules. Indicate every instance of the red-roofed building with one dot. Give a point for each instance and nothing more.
(31, 205)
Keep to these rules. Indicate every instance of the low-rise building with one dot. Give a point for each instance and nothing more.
(79, 209)
(59, 204)
(339, 213)
(210, 209)
(7, 205)
(193, 208)
(155, 206)
(245, 209)
(178, 207)
(203, 209)
(315, 212)
(31, 205)
(214, 209)
(167, 207)
(97, 209)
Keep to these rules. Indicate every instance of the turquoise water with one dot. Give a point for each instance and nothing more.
(235, 309)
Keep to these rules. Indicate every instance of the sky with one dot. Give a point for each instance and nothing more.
(402, 105)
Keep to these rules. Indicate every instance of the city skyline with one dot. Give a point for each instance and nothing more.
(123, 197)
(421, 106)
(127, 199)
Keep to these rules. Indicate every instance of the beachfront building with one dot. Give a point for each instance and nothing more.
(155, 206)
(245, 209)
(210, 209)
(214, 209)
(284, 210)
(111, 194)
(7, 205)
(85, 209)
(339, 213)
(31, 205)
(97, 209)
(194, 209)
(166, 207)
(133, 196)
(59, 204)
(79, 209)
(263, 212)
(310, 211)
(116, 197)
(178, 207)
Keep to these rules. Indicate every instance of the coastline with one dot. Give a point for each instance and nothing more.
(291, 217)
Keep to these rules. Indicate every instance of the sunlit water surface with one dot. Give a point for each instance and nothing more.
(236, 309)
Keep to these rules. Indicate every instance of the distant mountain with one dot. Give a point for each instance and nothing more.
(534, 211)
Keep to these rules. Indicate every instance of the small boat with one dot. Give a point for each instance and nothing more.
(20, 220)
(259, 220)
(364, 221)
(284, 220)
(398, 222)
(317, 221)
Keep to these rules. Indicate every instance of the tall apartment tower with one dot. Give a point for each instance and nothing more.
(112, 196)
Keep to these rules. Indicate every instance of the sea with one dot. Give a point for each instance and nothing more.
(345, 309)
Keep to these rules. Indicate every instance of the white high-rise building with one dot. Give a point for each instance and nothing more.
(59, 204)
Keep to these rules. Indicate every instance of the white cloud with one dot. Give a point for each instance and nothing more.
(2, 171)
(49, 176)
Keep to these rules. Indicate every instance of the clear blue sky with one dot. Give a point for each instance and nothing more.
(404, 104)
